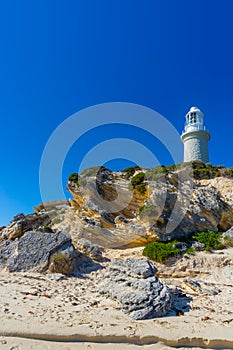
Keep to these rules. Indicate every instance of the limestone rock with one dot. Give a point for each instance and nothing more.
(63, 261)
(34, 251)
(207, 205)
(229, 233)
(108, 212)
(90, 249)
(21, 224)
(201, 286)
(198, 246)
(133, 284)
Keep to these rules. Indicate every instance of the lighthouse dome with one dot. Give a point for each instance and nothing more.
(195, 109)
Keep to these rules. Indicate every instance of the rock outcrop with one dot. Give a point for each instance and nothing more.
(135, 217)
(133, 284)
(136, 206)
(39, 251)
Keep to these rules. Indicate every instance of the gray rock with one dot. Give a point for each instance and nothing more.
(182, 246)
(133, 284)
(202, 287)
(91, 249)
(34, 250)
(22, 224)
(229, 234)
(198, 246)
(19, 216)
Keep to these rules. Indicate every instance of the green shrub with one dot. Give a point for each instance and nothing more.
(74, 177)
(160, 252)
(141, 209)
(208, 171)
(229, 172)
(190, 250)
(137, 179)
(141, 188)
(131, 170)
(211, 240)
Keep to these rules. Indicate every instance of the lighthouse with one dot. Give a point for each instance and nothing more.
(195, 137)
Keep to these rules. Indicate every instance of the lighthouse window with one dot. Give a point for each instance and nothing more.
(193, 118)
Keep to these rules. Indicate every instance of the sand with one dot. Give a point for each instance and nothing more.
(45, 312)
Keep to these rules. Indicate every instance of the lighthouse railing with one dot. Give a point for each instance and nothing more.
(194, 127)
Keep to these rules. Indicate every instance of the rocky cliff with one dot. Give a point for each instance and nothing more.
(135, 206)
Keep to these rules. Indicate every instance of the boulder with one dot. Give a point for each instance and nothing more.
(92, 250)
(229, 234)
(36, 251)
(198, 246)
(132, 282)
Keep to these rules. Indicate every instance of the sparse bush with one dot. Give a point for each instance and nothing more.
(141, 188)
(190, 250)
(131, 170)
(160, 252)
(137, 179)
(211, 240)
(229, 172)
(74, 177)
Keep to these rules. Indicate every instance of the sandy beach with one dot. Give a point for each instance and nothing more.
(57, 312)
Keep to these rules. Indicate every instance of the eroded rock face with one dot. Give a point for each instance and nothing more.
(201, 206)
(107, 211)
(36, 251)
(21, 224)
(133, 284)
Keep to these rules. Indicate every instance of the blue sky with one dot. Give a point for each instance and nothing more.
(58, 57)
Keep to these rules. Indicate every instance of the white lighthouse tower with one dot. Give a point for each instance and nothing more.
(195, 137)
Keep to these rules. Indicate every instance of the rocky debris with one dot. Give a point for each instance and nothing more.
(92, 250)
(107, 220)
(18, 217)
(228, 234)
(46, 206)
(201, 263)
(201, 286)
(21, 224)
(104, 175)
(39, 251)
(198, 246)
(132, 282)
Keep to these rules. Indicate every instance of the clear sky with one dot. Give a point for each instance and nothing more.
(58, 57)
